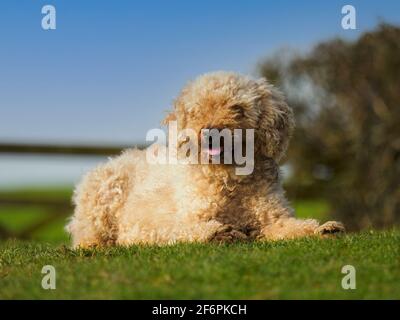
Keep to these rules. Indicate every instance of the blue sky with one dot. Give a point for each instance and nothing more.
(111, 69)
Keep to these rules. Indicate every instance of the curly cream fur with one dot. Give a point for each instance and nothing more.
(129, 200)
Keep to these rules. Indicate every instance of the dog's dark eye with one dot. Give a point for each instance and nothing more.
(238, 110)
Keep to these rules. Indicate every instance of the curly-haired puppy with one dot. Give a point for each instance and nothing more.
(129, 200)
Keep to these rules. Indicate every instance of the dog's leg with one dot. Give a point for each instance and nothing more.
(228, 234)
(83, 232)
(290, 227)
(329, 228)
(100, 194)
(278, 222)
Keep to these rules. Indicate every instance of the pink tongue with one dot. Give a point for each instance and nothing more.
(214, 151)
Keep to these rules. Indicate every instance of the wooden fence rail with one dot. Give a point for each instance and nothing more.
(48, 149)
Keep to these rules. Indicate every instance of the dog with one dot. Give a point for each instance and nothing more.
(131, 201)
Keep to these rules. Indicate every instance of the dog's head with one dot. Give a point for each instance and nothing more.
(224, 100)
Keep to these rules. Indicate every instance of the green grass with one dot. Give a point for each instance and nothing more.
(58, 192)
(15, 218)
(301, 269)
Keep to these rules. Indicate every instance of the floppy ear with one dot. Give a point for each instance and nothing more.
(275, 122)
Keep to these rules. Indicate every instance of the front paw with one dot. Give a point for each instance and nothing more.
(228, 234)
(330, 228)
